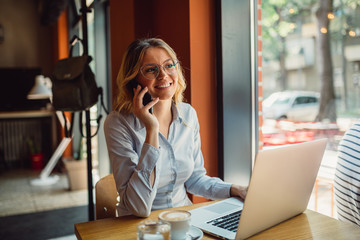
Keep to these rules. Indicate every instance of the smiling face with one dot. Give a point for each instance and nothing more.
(164, 86)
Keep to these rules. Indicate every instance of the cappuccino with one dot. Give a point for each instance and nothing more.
(175, 215)
(179, 221)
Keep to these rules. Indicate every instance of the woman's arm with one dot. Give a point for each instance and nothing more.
(149, 120)
(132, 167)
(209, 187)
(199, 183)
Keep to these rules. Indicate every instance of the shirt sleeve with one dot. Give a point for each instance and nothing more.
(199, 183)
(131, 169)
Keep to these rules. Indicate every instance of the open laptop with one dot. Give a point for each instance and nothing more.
(280, 187)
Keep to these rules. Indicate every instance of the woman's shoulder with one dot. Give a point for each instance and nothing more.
(187, 112)
(186, 109)
(113, 116)
(116, 118)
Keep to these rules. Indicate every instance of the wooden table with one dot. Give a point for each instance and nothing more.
(309, 225)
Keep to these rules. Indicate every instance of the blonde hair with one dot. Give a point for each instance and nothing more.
(130, 68)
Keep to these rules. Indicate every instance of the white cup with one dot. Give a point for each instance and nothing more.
(179, 221)
(153, 229)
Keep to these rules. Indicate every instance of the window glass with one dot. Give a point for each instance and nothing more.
(311, 78)
(79, 142)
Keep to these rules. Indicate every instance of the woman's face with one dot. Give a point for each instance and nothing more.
(164, 85)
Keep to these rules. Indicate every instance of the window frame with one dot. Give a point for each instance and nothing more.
(237, 81)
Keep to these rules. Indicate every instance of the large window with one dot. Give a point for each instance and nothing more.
(311, 63)
(98, 37)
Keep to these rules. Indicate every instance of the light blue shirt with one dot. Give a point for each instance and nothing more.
(178, 163)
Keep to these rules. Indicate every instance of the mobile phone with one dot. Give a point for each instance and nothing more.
(147, 97)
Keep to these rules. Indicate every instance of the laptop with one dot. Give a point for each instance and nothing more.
(280, 188)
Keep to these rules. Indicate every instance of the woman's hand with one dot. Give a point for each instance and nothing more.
(149, 120)
(238, 191)
(141, 111)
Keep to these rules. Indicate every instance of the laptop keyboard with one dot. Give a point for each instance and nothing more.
(229, 222)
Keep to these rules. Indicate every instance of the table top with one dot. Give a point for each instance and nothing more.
(308, 225)
(26, 114)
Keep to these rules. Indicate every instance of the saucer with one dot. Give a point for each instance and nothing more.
(195, 233)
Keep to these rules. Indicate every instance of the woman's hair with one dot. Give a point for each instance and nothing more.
(130, 68)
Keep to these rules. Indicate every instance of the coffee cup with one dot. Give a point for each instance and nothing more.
(179, 221)
(153, 229)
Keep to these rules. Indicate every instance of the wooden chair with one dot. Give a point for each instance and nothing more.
(106, 197)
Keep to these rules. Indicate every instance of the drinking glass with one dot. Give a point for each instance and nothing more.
(153, 229)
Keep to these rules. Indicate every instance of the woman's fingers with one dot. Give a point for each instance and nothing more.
(151, 104)
(141, 111)
(136, 100)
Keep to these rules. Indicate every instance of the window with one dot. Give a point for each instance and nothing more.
(237, 90)
(98, 35)
(311, 47)
(308, 79)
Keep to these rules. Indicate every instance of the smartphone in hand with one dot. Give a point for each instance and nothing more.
(147, 97)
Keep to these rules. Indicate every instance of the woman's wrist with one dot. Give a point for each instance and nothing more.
(238, 191)
(152, 136)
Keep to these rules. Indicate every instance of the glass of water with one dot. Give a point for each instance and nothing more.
(153, 229)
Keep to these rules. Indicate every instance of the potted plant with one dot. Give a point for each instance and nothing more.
(36, 155)
(76, 169)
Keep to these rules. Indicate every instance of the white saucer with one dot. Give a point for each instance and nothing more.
(194, 232)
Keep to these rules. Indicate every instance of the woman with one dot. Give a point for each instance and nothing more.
(156, 157)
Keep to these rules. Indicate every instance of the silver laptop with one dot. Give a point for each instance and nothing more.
(280, 187)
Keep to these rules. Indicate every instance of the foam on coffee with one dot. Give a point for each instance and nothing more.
(175, 215)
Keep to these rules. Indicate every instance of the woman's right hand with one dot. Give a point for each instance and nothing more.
(142, 112)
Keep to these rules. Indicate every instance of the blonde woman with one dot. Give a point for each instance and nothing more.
(155, 156)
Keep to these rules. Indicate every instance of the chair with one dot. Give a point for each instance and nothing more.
(106, 197)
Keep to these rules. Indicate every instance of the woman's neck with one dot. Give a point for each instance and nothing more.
(162, 111)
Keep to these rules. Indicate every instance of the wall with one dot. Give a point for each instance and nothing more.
(132, 19)
(26, 43)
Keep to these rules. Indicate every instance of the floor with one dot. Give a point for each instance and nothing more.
(19, 196)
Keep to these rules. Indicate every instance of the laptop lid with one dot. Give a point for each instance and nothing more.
(280, 188)
(281, 185)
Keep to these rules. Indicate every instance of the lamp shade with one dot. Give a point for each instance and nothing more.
(40, 90)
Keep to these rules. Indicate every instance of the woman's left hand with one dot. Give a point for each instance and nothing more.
(238, 191)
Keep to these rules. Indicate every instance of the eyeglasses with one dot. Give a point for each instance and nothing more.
(151, 71)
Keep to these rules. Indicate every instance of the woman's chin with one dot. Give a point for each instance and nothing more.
(164, 95)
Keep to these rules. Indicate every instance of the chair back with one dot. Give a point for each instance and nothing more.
(106, 197)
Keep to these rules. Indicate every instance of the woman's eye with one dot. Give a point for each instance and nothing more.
(151, 69)
(169, 65)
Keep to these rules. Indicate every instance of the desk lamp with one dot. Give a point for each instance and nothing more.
(42, 90)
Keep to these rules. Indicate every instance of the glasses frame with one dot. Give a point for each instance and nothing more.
(175, 63)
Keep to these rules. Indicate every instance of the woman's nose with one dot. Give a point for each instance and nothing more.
(162, 73)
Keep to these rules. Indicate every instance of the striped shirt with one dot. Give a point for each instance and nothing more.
(347, 176)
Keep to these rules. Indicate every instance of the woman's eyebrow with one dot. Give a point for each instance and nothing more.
(156, 63)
